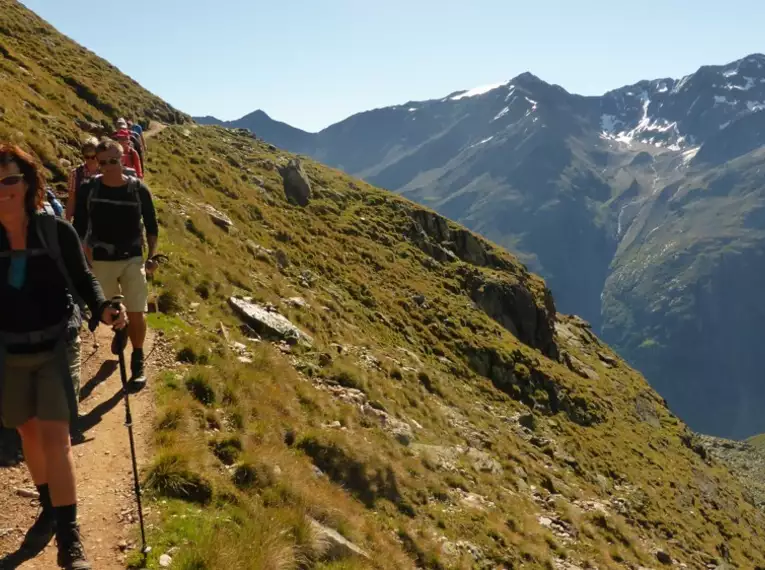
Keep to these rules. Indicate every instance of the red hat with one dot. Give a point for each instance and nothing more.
(122, 134)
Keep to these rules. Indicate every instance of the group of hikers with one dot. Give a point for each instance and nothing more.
(56, 266)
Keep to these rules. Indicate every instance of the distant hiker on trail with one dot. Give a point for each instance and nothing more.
(136, 141)
(110, 215)
(130, 157)
(138, 129)
(41, 270)
(85, 171)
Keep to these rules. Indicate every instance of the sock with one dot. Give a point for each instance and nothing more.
(66, 517)
(45, 502)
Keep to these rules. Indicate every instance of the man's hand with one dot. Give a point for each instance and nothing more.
(114, 317)
(151, 266)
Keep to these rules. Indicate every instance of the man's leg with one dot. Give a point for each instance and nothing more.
(136, 292)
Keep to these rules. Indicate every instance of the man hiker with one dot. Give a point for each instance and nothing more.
(85, 171)
(111, 213)
(41, 270)
(130, 157)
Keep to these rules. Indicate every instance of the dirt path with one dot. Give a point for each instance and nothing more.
(154, 128)
(106, 508)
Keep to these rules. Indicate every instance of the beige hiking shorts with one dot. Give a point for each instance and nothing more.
(33, 388)
(127, 278)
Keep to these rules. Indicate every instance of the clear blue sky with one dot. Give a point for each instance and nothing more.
(313, 62)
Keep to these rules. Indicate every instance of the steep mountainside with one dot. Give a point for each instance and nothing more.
(51, 88)
(589, 192)
(402, 394)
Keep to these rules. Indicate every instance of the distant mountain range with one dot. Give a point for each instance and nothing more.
(643, 208)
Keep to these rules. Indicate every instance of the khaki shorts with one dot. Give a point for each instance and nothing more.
(33, 388)
(126, 278)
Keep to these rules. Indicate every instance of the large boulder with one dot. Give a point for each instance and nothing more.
(268, 322)
(297, 187)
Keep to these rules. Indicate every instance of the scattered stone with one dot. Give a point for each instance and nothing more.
(334, 545)
(218, 218)
(122, 545)
(528, 421)
(165, 560)
(580, 367)
(298, 302)
(607, 359)
(297, 187)
(282, 260)
(483, 462)
(269, 322)
(419, 300)
(27, 494)
(663, 557)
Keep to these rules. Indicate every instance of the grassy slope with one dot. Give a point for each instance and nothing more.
(47, 82)
(492, 477)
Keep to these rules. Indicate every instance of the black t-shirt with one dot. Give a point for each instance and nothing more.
(42, 301)
(114, 219)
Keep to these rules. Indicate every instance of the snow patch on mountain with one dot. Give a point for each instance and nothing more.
(657, 132)
(477, 91)
(749, 84)
(484, 141)
(501, 114)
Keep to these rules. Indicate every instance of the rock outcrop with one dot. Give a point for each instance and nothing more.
(268, 322)
(297, 187)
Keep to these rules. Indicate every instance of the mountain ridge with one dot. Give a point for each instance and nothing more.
(576, 186)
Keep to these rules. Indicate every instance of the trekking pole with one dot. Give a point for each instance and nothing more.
(121, 336)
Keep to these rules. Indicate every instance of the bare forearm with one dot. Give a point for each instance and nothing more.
(152, 241)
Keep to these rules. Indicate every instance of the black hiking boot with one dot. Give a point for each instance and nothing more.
(138, 376)
(40, 533)
(71, 554)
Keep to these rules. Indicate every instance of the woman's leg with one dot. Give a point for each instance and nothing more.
(34, 454)
(43, 529)
(59, 462)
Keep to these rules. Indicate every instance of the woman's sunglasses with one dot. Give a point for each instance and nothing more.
(89, 156)
(111, 161)
(11, 180)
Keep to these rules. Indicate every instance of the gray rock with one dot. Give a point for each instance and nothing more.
(334, 545)
(218, 218)
(297, 187)
(663, 557)
(268, 322)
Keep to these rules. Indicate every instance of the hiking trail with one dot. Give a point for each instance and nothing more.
(106, 501)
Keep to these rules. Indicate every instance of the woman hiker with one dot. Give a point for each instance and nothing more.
(39, 257)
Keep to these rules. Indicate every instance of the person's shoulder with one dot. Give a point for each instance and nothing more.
(143, 187)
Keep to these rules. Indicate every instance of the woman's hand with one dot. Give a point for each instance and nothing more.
(117, 318)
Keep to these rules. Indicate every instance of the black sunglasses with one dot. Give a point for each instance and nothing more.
(111, 161)
(11, 180)
(89, 156)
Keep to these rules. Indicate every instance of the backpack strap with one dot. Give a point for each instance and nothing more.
(47, 232)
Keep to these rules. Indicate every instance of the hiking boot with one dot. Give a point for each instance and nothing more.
(71, 554)
(138, 377)
(40, 533)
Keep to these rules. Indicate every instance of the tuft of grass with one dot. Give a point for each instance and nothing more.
(170, 475)
(199, 384)
(226, 448)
